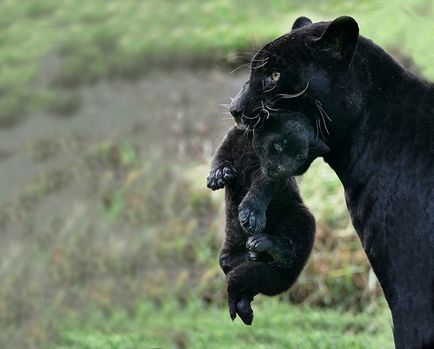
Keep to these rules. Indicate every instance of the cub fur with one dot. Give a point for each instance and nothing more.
(269, 231)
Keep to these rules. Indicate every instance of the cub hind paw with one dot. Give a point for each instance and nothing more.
(260, 243)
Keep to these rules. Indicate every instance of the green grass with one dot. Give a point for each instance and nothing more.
(88, 265)
(195, 325)
(46, 45)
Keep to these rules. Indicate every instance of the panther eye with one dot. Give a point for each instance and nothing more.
(278, 147)
(275, 75)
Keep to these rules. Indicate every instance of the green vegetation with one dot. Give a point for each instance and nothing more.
(197, 326)
(48, 48)
(147, 233)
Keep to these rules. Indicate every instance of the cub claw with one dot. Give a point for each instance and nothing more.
(221, 176)
(232, 310)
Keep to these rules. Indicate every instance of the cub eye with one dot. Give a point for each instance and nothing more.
(278, 147)
(299, 156)
(275, 75)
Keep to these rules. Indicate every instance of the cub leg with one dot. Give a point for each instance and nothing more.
(249, 279)
(222, 171)
(251, 211)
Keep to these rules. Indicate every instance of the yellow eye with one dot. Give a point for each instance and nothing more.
(275, 75)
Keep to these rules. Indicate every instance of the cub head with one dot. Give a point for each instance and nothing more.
(304, 70)
(287, 145)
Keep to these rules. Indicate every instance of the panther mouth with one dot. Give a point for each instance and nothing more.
(257, 115)
(268, 106)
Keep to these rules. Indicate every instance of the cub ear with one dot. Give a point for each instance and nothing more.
(340, 38)
(301, 22)
(318, 148)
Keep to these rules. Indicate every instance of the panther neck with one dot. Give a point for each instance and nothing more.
(385, 100)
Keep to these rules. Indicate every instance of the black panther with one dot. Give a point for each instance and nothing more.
(378, 121)
(269, 231)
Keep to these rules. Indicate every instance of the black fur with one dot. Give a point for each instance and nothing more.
(378, 121)
(269, 232)
(287, 144)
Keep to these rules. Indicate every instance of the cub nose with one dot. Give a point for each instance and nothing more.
(281, 169)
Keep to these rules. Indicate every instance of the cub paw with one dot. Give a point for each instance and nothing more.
(271, 251)
(260, 243)
(219, 177)
(242, 308)
(253, 256)
(239, 300)
(251, 218)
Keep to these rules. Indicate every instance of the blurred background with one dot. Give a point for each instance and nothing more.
(109, 116)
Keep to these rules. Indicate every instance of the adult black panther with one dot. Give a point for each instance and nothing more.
(378, 120)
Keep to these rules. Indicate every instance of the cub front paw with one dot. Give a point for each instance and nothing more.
(251, 217)
(221, 176)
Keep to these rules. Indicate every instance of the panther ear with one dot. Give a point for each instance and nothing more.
(301, 22)
(340, 38)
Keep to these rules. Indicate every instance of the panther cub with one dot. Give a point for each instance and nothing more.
(269, 231)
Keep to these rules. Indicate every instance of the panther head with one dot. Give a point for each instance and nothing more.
(303, 70)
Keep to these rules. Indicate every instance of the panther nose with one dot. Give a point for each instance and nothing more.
(236, 112)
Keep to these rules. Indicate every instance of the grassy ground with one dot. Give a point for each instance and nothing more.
(196, 326)
(102, 212)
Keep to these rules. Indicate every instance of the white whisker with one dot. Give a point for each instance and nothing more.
(267, 112)
(271, 89)
(319, 105)
(261, 65)
(269, 108)
(320, 128)
(323, 114)
(289, 96)
(249, 118)
(239, 67)
(257, 108)
(254, 126)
